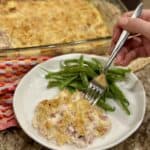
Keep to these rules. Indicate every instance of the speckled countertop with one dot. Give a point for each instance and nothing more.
(15, 139)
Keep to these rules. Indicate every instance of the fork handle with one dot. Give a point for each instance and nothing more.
(123, 37)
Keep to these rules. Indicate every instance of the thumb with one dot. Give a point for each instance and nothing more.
(135, 25)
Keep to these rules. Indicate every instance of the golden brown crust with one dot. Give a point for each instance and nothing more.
(69, 117)
(36, 22)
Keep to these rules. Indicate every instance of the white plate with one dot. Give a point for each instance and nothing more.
(32, 89)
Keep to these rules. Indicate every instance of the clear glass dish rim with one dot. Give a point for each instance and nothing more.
(58, 45)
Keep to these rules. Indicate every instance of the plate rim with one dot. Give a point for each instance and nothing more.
(104, 147)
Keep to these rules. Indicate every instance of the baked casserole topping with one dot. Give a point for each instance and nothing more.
(37, 22)
(71, 119)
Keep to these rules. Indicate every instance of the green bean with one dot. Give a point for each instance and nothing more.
(120, 97)
(84, 79)
(113, 77)
(69, 75)
(77, 69)
(119, 93)
(83, 75)
(91, 65)
(78, 86)
(81, 62)
(119, 71)
(108, 94)
(51, 74)
(60, 75)
(71, 89)
(105, 106)
(70, 61)
(67, 82)
(53, 84)
(99, 65)
(90, 72)
(125, 107)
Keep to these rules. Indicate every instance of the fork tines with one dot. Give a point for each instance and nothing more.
(94, 92)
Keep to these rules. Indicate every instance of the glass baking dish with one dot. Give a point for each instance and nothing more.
(110, 11)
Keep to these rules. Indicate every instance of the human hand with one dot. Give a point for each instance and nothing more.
(136, 46)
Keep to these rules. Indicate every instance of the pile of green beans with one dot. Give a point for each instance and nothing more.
(75, 74)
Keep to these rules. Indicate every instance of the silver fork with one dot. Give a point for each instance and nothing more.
(95, 89)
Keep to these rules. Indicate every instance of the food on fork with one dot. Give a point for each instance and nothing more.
(70, 119)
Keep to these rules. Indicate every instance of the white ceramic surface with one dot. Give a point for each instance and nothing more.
(33, 88)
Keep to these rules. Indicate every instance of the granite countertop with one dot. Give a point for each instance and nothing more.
(16, 139)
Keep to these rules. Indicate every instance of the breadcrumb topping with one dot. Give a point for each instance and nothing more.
(37, 22)
(71, 119)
